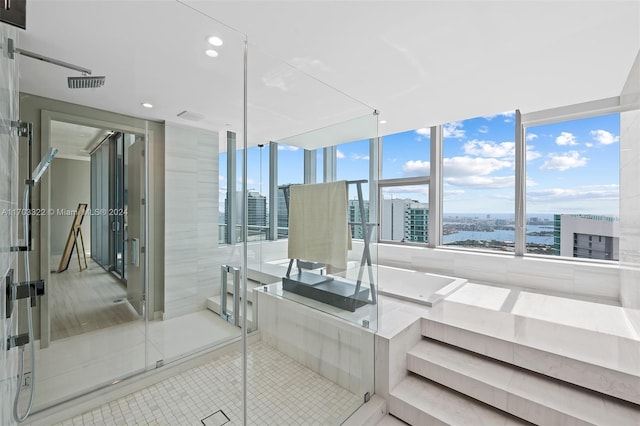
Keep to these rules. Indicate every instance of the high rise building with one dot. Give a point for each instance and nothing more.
(417, 222)
(404, 220)
(586, 236)
(283, 213)
(355, 217)
(256, 214)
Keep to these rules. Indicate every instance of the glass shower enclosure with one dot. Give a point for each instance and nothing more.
(200, 249)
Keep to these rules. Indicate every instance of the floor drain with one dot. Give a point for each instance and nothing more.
(118, 301)
(216, 419)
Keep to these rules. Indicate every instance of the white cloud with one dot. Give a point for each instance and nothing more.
(531, 154)
(469, 166)
(359, 157)
(600, 192)
(416, 167)
(483, 129)
(562, 162)
(589, 145)
(425, 131)
(283, 147)
(453, 130)
(503, 150)
(566, 138)
(482, 181)
(490, 149)
(339, 154)
(531, 136)
(603, 137)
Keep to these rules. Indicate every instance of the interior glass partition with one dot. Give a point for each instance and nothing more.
(302, 354)
(162, 224)
(191, 100)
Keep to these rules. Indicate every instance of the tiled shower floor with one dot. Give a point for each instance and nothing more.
(281, 391)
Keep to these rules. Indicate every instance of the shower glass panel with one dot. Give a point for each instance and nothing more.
(9, 225)
(316, 319)
(168, 179)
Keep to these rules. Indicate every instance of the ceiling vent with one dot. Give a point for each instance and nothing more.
(188, 115)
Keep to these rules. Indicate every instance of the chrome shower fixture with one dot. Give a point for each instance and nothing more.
(43, 165)
(85, 82)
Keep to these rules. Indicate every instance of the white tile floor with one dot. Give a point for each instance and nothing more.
(75, 365)
(280, 392)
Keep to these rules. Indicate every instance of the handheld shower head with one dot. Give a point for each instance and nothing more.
(42, 167)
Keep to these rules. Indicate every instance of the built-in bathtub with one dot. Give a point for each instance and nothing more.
(415, 286)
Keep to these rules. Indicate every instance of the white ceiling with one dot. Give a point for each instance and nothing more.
(317, 63)
(74, 141)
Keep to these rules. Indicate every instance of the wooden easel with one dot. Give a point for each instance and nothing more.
(72, 241)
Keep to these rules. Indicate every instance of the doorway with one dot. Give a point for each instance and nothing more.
(92, 168)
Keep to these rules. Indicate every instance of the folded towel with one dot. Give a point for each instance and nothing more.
(318, 225)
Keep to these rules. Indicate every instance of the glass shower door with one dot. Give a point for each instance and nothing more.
(314, 360)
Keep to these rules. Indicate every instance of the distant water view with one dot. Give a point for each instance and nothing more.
(502, 235)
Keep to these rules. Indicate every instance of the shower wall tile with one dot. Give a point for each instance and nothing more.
(192, 272)
(8, 220)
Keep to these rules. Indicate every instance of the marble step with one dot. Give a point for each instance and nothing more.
(594, 333)
(591, 376)
(530, 396)
(417, 401)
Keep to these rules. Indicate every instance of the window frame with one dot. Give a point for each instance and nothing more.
(580, 111)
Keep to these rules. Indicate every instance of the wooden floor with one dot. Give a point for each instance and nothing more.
(85, 301)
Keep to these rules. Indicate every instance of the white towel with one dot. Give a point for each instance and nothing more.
(318, 226)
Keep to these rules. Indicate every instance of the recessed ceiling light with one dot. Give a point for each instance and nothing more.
(210, 52)
(215, 41)
(147, 105)
(383, 121)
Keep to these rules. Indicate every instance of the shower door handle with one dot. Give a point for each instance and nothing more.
(233, 318)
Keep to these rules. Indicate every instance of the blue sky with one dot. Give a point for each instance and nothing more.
(572, 167)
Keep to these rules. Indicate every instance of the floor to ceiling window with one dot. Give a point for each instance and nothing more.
(572, 200)
(479, 183)
(404, 187)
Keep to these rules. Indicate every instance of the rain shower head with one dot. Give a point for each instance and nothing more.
(85, 82)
